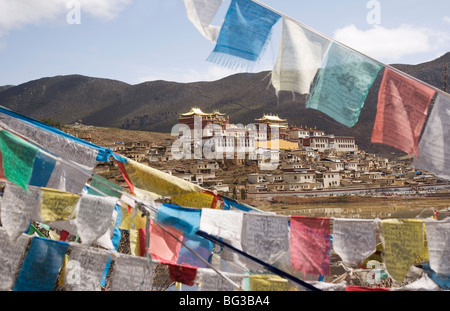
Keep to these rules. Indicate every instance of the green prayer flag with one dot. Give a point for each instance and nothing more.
(341, 87)
(18, 158)
(105, 186)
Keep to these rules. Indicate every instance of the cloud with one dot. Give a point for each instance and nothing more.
(446, 19)
(15, 14)
(392, 44)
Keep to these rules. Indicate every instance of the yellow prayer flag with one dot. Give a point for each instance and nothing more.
(132, 219)
(134, 243)
(270, 283)
(158, 183)
(57, 205)
(403, 242)
(194, 200)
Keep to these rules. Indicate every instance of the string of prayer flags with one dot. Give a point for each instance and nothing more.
(341, 87)
(265, 236)
(40, 269)
(11, 252)
(149, 184)
(186, 221)
(434, 146)
(85, 268)
(17, 208)
(310, 244)
(354, 239)
(299, 57)
(94, 217)
(438, 240)
(57, 205)
(401, 112)
(53, 140)
(403, 241)
(201, 13)
(18, 158)
(243, 35)
(131, 273)
(208, 280)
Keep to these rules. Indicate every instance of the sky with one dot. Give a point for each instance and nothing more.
(135, 41)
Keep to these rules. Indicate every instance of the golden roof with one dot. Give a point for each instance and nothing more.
(271, 118)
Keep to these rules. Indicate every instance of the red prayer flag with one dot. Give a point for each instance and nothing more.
(182, 273)
(353, 288)
(310, 244)
(401, 112)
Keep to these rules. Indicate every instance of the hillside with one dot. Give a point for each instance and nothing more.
(154, 106)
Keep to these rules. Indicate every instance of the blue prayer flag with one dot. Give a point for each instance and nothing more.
(41, 266)
(341, 87)
(244, 34)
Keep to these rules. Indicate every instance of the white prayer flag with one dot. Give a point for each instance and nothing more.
(220, 223)
(94, 217)
(209, 280)
(11, 252)
(434, 146)
(131, 273)
(201, 13)
(265, 236)
(354, 239)
(17, 208)
(300, 55)
(438, 239)
(85, 268)
(68, 179)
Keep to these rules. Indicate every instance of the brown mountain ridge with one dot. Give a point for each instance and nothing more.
(154, 106)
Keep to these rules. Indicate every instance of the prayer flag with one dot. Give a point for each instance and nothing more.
(41, 266)
(270, 283)
(403, 241)
(300, 55)
(57, 205)
(438, 240)
(244, 34)
(434, 146)
(42, 170)
(341, 87)
(131, 273)
(67, 178)
(149, 184)
(18, 158)
(94, 217)
(209, 280)
(310, 244)
(186, 221)
(201, 13)
(17, 209)
(265, 236)
(106, 187)
(354, 239)
(85, 268)
(401, 112)
(182, 273)
(223, 224)
(11, 252)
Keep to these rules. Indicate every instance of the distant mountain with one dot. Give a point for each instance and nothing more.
(155, 106)
(5, 87)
